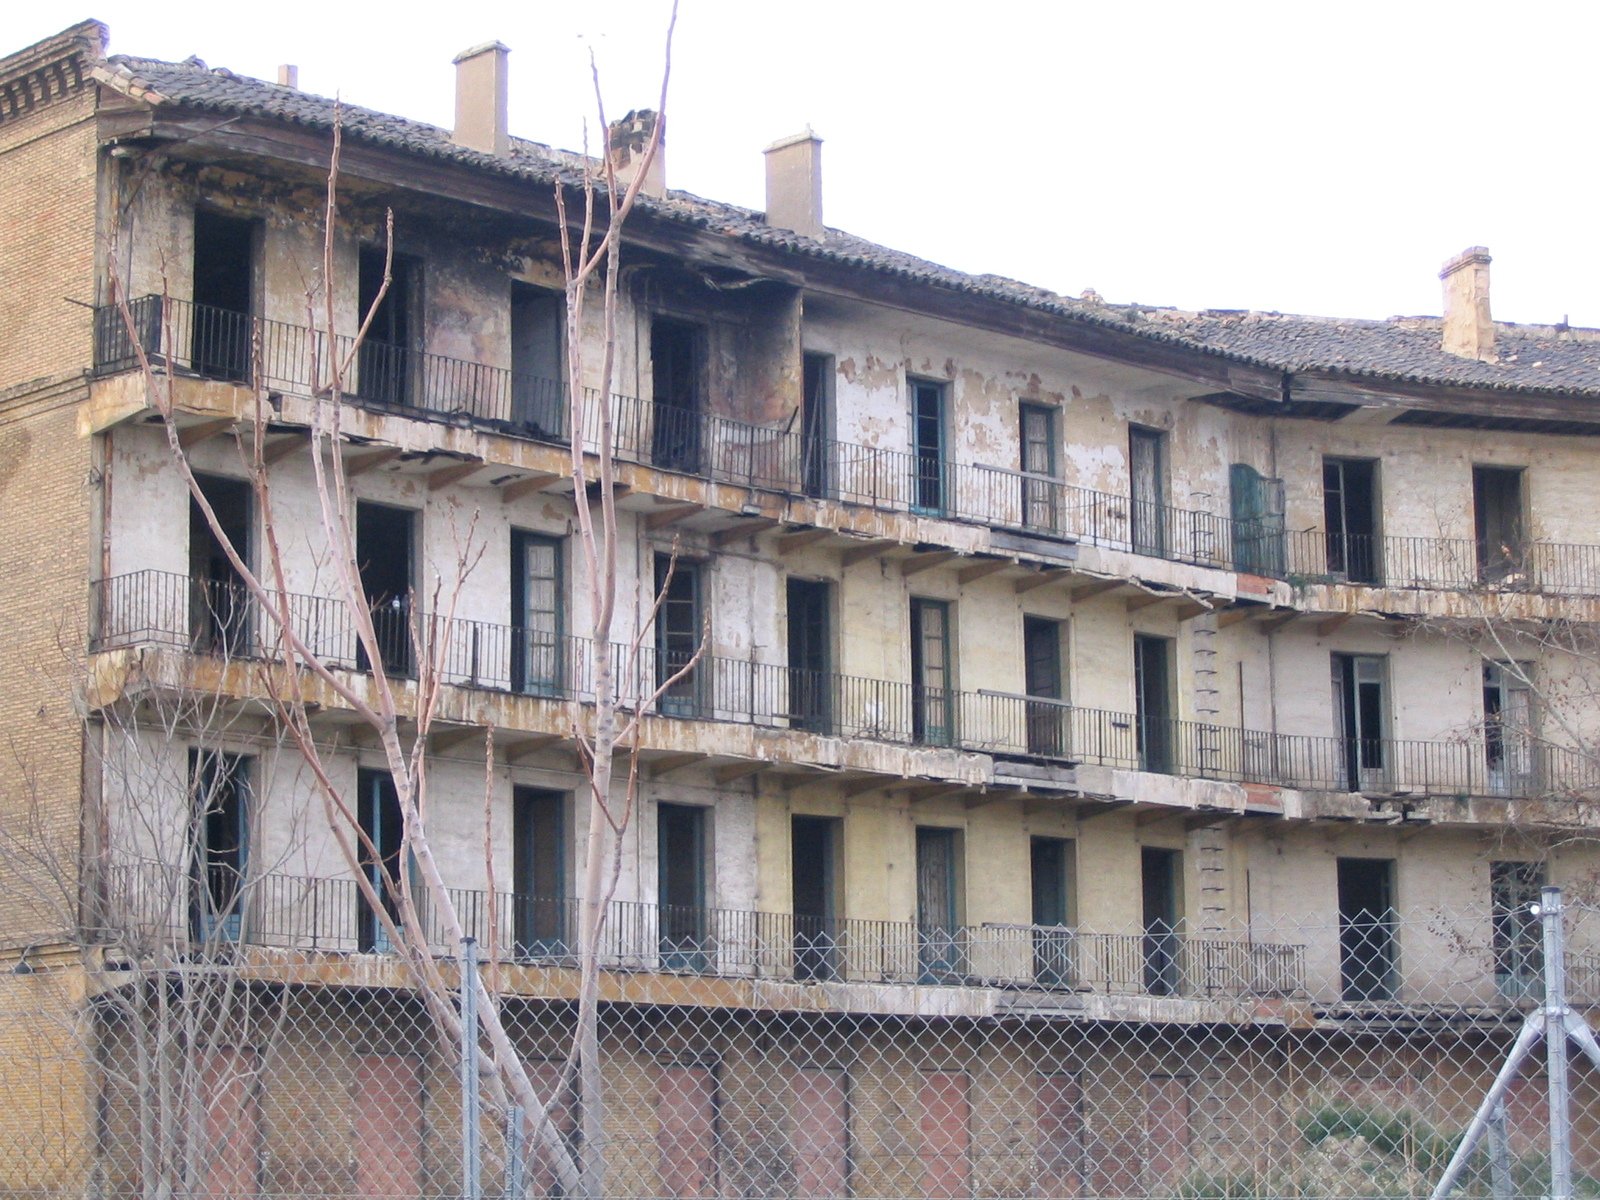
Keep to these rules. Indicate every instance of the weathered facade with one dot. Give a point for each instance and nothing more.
(1155, 633)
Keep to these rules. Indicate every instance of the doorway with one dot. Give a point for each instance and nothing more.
(1043, 682)
(814, 848)
(385, 373)
(385, 555)
(681, 886)
(378, 811)
(1051, 864)
(1350, 519)
(1161, 879)
(538, 328)
(1360, 708)
(1152, 698)
(810, 655)
(1497, 518)
(928, 470)
(677, 364)
(219, 602)
(224, 286)
(1038, 436)
(1508, 734)
(1147, 516)
(939, 936)
(1366, 928)
(679, 629)
(537, 609)
(816, 422)
(220, 793)
(539, 872)
(932, 701)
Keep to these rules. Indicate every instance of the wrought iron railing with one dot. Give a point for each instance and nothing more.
(221, 619)
(215, 343)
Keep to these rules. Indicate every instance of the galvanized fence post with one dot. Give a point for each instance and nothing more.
(471, 1181)
(1555, 1032)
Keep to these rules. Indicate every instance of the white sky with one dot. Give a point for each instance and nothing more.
(1304, 158)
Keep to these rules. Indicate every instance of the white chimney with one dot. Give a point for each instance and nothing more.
(481, 99)
(627, 140)
(1468, 325)
(288, 75)
(794, 183)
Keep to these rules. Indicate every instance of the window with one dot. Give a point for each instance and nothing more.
(219, 786)
(1518, 937)
(929, 491)
(932, 700)
(1360, 718)
(537, 606)
(680, 627)
(1039, 489)
(538, 390)
(1508, 727)
(1147, 471)
(678, 366)
(1350, 519)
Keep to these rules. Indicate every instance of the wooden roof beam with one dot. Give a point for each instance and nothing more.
(982, 570)
(926, 561)
(360, 464)
(790, 542)
(445, 476)
(671, 516)
(528, 484)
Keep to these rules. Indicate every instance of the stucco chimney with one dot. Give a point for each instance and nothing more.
(481, 99)
(288, 75)
(1468, 325)
(627, 139)
(794, 183)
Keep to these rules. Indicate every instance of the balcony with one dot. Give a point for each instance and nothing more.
(154, 608)
(212, 343)
(152, 905)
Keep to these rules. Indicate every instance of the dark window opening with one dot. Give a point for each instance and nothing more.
(1160, 878)
(678, 367)
(224, 286)
(385, 366)
(1366, 928)
(810, 655)
(681, 883)
(1043, 681)
(940, 940)
(1497, 517)
(385, 546)
(1040, 499)
(814, 845)
(1360, 706)
(932, 700)
(1350, 519)
(538, 662)
(219, 602)
(816, 442)
(1514, 888)
(929, 490)
(220, 795)
(679, 632)
(539, 869)
(1153, 725)
(1147, 493)
(1050, 871)
(538, 330)
(378, 811)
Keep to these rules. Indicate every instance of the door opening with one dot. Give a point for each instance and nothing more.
(1039, 487)
(1497, 517)
(385, 367)
(928, 467)
(1147, 517)
(1051, 876)
(680, 627)
(538, 327)
(540, 917)
(1366, 928)
(810, 654)
(378, 811)
(814, 843)
(816, 444)
(385, 548)
(538, 660)
(220, 786)
(1152, 683)
(1350, 519)
(219, 602)
(1161, 879)
(939, 935)
(681, 882)
(1044, 683)
(224, 285)
(932, 702)
(1508, 741)
(1360, 708)
(677, 363)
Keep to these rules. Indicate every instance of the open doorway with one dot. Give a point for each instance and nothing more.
(219, 602)
(677, 366)
(1051, 865)
(1366, 928)
(1161, 878)
(1350, 519)
(538, 325)
(385, 368)
(1152, 696)
(539, 872)
(810, 654)
(814, 847)
(1360, 714)
(681, 885)
(386, 554)
(1497, 519)
(224, 288)
(378, 811)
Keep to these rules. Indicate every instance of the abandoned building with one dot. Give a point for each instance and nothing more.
(1118, 670)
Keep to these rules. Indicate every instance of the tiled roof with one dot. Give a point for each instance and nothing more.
(1531, 358)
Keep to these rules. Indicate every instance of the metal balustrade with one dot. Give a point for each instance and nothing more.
(214, 343)
(221, 619)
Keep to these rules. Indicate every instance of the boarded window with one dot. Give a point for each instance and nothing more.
(1167, 1131)
(819, 1116)
(233, 1121)
(686, 1131)
(1059, 1147)
(946, 1126)
(388, 1126)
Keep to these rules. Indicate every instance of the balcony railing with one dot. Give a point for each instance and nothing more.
(151, 905)
(214, 343)
(221, 619)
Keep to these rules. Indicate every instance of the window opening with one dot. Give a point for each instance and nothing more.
(1366, 928)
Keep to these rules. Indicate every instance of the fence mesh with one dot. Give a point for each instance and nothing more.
(1345, 1060)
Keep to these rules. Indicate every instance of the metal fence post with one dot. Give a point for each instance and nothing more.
(514, 1153)
(470, 1099)
(1502, 1182)
(1555, 1031)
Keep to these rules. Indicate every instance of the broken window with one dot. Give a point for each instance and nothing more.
(387, 366)
(1514, 888)
(1361, 715)
(680, 626)
(678, 387)
(681, 884)
(219, 786)
(224, 289)
(1039, 487)
(932, 698)
(539, 871)
(1508, 740)
(537, 609)
(929, 490)
(538, 330)
(1497, 515)
(1350, 519)
(1147, 498)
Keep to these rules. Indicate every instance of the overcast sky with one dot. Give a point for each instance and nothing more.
(1315, 158)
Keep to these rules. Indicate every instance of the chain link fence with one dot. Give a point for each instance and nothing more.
(1328, 1057)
